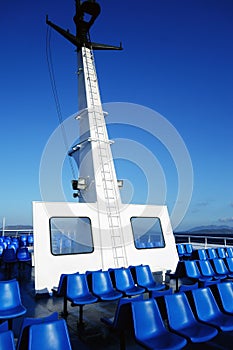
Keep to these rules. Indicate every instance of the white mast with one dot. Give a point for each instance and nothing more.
(97, 181)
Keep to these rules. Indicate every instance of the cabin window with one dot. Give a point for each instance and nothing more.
(70, 235)
(147, 232)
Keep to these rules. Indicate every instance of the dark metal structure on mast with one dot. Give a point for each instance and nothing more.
(89, 10)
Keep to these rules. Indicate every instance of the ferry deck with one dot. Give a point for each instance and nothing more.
(93, 334)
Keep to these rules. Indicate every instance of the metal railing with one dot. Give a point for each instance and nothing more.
(15, 233)
(204, 241)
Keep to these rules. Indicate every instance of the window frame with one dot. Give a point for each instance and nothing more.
(135, 238)
(74, 253)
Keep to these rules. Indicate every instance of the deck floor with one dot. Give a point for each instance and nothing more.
(95, 335)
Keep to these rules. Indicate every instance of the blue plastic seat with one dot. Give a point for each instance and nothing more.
(78, 293)
(182, 320)
(22, 342)
(122, 321)
(16, 244)
(23, 255)
(221, 269)
(212, 253)
(200, 254)
(144, 278)
(49, 336)
(23, 240)
(9, 256)
(60, 291)
(208, 310)
(30, 240)
(7, 340)
(12, 245)
(225, 290)
(180, 250)
(229, 252)
(4, 244)
(229, 264)
(194, 274)
(11, 306)
(221, 252)
(102, 286)
(1, 249)
(207, 270)
(7, 239)
(125, 283)
(189, 248)
(149, 329)
(4, 326)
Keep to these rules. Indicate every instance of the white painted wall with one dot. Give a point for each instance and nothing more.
(48, 267)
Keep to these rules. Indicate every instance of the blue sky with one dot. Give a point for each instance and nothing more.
(177, 60)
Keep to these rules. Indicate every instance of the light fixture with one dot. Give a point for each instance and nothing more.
(120, 183)
(82, 184)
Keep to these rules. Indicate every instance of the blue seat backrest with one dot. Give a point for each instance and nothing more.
(9, 294)
(179, 311)
(206, 268)
(202, 254)
(225, 290)
(221, 252)
(205, 303)
(1, 248)
(229, 252)
(189, 248)
(23, 253)
(77, 285)
(220, 266)
(101, 282)
(40, 336)
(147, 318)
(144, 275)
(123, 278)
(229, 263)
(22, 343)
(191, 268)
(4, 326)
(212, 254)
(180, 249)
(7, 340)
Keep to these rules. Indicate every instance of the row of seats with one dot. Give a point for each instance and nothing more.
(187, 252)
(213, 253)
(184, 250)
(12, 255)
(20, 241)
(93, 286)
(203, 272)
(196, 317)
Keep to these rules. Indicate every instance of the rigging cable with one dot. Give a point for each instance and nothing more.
(55, 95)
